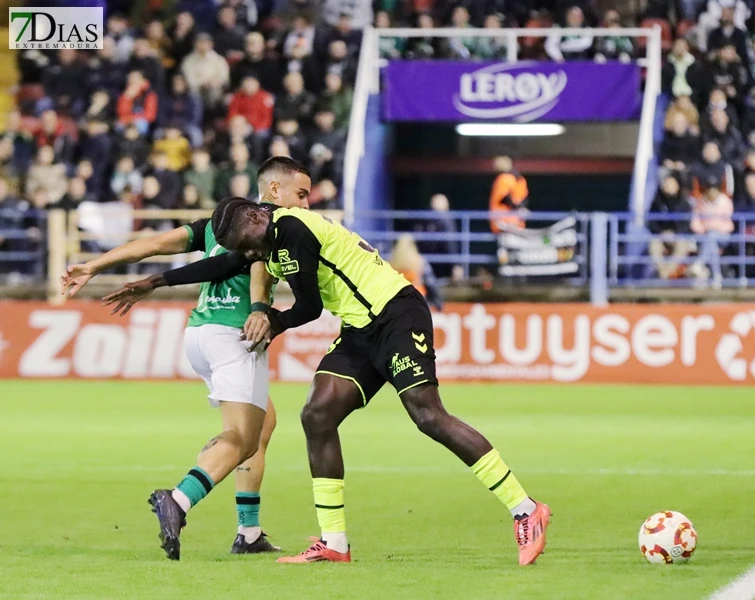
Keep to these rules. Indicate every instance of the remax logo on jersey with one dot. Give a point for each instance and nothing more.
(77, 28)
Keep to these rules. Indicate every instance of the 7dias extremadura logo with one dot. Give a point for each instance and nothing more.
(79, 28)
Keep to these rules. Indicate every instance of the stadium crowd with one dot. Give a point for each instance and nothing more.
(187, 97)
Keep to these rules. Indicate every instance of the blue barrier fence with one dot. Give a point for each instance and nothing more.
(597, 250)
(23, 250)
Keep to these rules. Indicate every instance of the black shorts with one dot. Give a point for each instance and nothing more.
(396, 347)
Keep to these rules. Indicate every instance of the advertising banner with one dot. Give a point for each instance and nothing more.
(673, 344)
(526, 91)
(547, 251)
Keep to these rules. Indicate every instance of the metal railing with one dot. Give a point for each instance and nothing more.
(609, 252)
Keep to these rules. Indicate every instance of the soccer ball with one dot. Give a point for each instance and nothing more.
(667, 537)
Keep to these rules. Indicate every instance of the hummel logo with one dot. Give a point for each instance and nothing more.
(420, 337)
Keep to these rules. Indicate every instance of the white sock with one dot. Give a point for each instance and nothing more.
(336, 541)
(251, 534)
(181, 499)
(525, 507)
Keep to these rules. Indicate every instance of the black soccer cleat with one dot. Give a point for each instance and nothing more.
(172, 519)
(258, 546)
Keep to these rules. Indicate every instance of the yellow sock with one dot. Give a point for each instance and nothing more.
(499, 479)
(329, 504)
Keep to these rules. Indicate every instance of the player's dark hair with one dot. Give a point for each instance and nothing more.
(282, 164)
(225, 218)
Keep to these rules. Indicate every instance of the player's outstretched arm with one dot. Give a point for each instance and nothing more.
(217, 268)
(76, 277)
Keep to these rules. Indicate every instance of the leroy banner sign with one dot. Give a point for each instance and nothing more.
(675, 344)
(525, 91)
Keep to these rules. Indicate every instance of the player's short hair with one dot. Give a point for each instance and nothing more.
(225, 218)
(281, 164)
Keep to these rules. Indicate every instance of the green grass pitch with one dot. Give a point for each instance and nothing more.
(80, 459)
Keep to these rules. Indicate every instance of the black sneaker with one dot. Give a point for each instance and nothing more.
(172, 519)
(240, 545)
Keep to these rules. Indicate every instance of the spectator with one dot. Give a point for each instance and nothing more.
(203, 12)
(240, 164)
(97, 148)
(255, 63)
(77, 193)
(118, 31)
(279, 147)
(712, 18)
(12, 216)
(339, 98)
(727, 73)
(64, 84)
(681, 74)
(145, 60)
(151, 196)
(239, 132)
(442, 221)
(718, 101)
(324, 195)
(176, 147)
(100, 107)
(616, 47)
(183, 36)
(728, 139)
(32, 65)
(125, 176)
(229, 36)
(712, 218)
(683, 106)
(390, 47)
(8, 171)
(299, 41)
(328, 147)
(202, 176)
(670, 200)
(680, 147)
(161, 44)
(406, 259)
(728, 34)
(104, 72)
(340, 61)
(490, 47)
(508, 196)
(51, 132)
(748, 117)
(560, 48)
(254, 104)
(85, 171)
(461, 47)
(712, 166)
(296, 101)
(247, 13)
(206, 71)
(184, 108)
(190, 197)
(133, 144)
(287, 128)
(746, 199)
(240, 186)
(138, 104)
(170, 181)
(46, 181)
(358, 11)
(425, 47)
(343, 32)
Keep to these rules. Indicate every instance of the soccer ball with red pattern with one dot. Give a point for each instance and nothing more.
(667, 537)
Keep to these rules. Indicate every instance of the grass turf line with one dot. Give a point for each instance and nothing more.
(82, 457)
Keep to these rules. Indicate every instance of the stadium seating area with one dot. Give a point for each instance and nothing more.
(188, 97)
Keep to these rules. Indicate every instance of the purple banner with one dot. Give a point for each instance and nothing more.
(520, 92)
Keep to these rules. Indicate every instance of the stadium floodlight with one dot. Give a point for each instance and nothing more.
(510, 129)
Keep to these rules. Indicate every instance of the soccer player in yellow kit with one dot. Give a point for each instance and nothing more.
(386, 335)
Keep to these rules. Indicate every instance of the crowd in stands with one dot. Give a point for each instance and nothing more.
(707, 157)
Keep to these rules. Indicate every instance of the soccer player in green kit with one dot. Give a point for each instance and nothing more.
(236, 377)
(386, 336)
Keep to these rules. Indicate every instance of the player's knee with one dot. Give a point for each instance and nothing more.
(315, 418)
